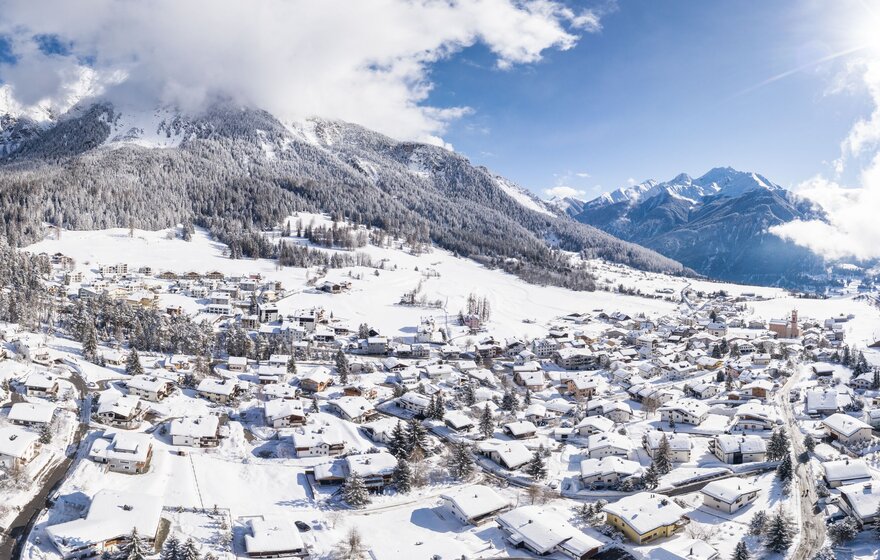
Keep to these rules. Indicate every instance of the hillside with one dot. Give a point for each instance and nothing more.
(236, 171)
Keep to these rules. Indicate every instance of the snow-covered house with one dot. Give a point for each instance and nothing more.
(845, 472)
(738, 449)
(413, 402)
(18, 447)
(644, 517)
(543, 532)
(120, 411)
(123, 452)
(221, 391)
(608, 444)
(607, 471)
(111, 518)
(509, 454)
(730, 494)
(847, 429)
(149, 387)
(284, 413)
(684, 411)
(237, 364)
(31, 414)
(40, 384)
(195, 431)
(476, 504)
(354, 409)
(594, 425)
(862, 501)
(753, 416)
(458, 421)
(679, 445)
(273, 537)
(318, 442)
(520, 430)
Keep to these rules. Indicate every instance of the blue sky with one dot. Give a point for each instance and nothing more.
(657, 92)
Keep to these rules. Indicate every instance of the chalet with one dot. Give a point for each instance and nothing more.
(41, 385)
(31, 414)
(316, 380)
(531, 379)
(543, 532)
(847, 429)
(717, 329)
(753, 416)
(574, 358)
(645, 517)
(279, 391)
(608, 444)
(149, 387)
(366, 391)
(582, 387)
(679, 445)
(684, 411)
(475, 505)
(846, 471)
(607, 471)
(111, 518)
(354, 409)
(683, 549)
(375, 345)
(413, 402)
(195, 431)
(729, 495)
(618, 411)
(237, 364)
(861, 501)
(520, 430)
(120, 411)
(509, 454)
(872, 417)
(537, 414)
(458, 421)
(18, 447)
(758, 389)
(123, 452)
(219, 390)
(703, 390)
(273, 538)
(268, 374)
(825, 401)
(284, 413)
(380, 430)
(594, 425)
(320, 442)
(735, 450)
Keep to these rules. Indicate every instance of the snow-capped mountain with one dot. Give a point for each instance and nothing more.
(235, 169)
(716, 224)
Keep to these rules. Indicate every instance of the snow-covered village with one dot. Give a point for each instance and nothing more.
(412, 404)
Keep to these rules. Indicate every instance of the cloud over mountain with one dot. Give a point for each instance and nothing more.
(367, 61)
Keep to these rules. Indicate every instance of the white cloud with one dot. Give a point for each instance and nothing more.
(852, 229)
(560, 191)
(631, 181)
(366, 61)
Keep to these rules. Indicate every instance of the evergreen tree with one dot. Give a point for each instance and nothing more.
(468, 396)
(536, 467)
(90, 342)
(291, 365)
(509, 401)
(758, 523)
(741, 552)
(651, 478)
(133, 363)
(779, 532)
(189, 550)
(399, 443)
(45, 434)
(487, 424)
(785, 471)
(809, 443)
(843, 531)
(315, 406)
(778, 446)
(527, 399)
(403, 476)
(342, 367)
(134, 548)
(354, 491)
(461, 462)
(662, 463)
(417, 437)
(875, 382)
(171, 548)
(439, 407)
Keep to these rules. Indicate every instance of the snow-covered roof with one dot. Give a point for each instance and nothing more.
(41, 413)
(457, 419)
(112, 515)
(609, 439)
(353, 407)
(520, 428)
(645, 512)
(371, 464)
(845, 424)
(863, 497)
(149, 383)
(128, 446)
(282, 408)
(677, 441)
(512, 453)
(545, 530)
(217, 386)
(195, 426)
(272, 536)
(846, 469)
(729, 490)
(15, 441)
(683, 549)
(728, 443)
(609, 465)
(39, 380)
(311, 438)
(476, 501)
(598, 423)
(119, 405)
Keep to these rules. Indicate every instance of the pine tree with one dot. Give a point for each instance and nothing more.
(809, 443)
(461, 462)
(291, 365)
(527, 399)
(431, 411)
(509, 402)
(875, 382)
(741, 552)
(779, 532)
(342, 367)
(536, 467)
(651, 478)
(171, 548)
(134, 548)
(468, 395)
(417, 436)
(354, 491)
(399, 443)
(133, 363)
(45, 434)
(778, 446)
(403, 476)
(487, 424)
(315, 406)
(843, 531)
(784, 471)
(661, 457)
(439, 407)
(90, 342)
(758, 523)
(189, 550)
